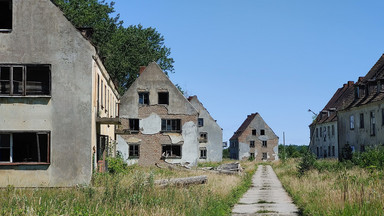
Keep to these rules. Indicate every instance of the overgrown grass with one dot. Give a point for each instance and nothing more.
(132, 192)
(334, 188)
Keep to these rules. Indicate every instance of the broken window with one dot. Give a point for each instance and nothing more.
(171, 125)
(25, 80)
(5, 15)
(351, 122)
(252, 144)
(264, 144)
(163, 98)
(373, 124)
(265, 156)
(200, 122)
(171, 151)
(134, 124)
(262, 132)
(134, 151)
(253, 132)
(102, 146)
(361, 120)
(203, 153)
(203, 137)
(144, 98)
(24, 147)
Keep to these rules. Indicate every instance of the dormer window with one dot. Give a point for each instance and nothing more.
(5, 15)
(163, 98)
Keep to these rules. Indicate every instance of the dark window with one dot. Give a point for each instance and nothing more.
(317, 132)
(203, 137)
(254, 132)
(252, 144)
(134, 151)
(5, 15)
(102, 95)
(163, 98)
(333, 150)
(203, 153)
(361, 120)
(200, 122)
(25, 80)
(333, 130)
(328, 131)
(262, 132)
(265, 156)
(317, 151)
(24, 147)
(134, 124)
(321, 132)
(362, 148)
(144, 98)
(252, 155)
(171, 125)
(264, 143)
(373, 124)
(102, 147)
(382, 116)
(171, 151)
(351, 122)
(329, 151)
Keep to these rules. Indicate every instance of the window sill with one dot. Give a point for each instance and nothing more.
(170, 132)
(133, 157)
(5, 30)
(25, 96)
(23, 163)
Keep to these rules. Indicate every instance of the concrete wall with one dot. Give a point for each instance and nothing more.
(150, 138)
(214, 143)
(42, 35)
(359, 137)
(326, 142)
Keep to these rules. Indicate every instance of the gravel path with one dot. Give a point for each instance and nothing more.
(266, 196)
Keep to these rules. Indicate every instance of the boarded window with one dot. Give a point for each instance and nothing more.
(25, 80)
(171, 151)
(134, 124)
(200, 122)
(252, 144)
(144, 98)
(163, 98)
(203, 153)
(5, 15)
(134, 151)
(171, 125)
(24, 147)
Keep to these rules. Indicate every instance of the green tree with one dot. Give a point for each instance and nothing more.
(123, 50)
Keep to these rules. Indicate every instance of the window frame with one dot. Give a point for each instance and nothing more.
(372, 123)
(254, 132)
(361, 126)
(145, 99)
(264, 144)
(7, 30)
(172, 146)
(203, 137)
(203, 153)
(265, 156)
(134, 124)
(200, 122)
(133, 153)
(164, 101)
(176, 122)
(12, 151)
(262, 132)
(25, 70)
(252, 144)
(351, 122)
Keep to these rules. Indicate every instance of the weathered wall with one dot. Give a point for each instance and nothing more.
(326, 141)
(42, 35)
(359, 137)
(149, 137)
(214, 142)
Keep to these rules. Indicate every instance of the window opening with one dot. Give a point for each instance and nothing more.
(163, 98)
(264, 144)
(373, 124)
(200, 122)
(171, 125)
(254, 132)
(203, 137)
(351, 122)
(102, 147)
(144, 98)
(252, 144)
(171, 151)
(361, 120)
(134, 124)
(333, 130)
(317, 132)
(265, 156)
(262, 132)
(134, 151)
(5, 15)
(203, 153)
(102, 95)
(252, 155)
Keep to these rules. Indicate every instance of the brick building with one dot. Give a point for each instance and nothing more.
(254, 139)
(158, 122)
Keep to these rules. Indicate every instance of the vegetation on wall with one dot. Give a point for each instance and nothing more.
(123, 49)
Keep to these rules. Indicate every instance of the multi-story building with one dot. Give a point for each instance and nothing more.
(56, 98)
(254, 139)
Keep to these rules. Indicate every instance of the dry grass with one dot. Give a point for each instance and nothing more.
(354, 191)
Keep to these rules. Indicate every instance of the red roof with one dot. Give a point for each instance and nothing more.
(244, 126)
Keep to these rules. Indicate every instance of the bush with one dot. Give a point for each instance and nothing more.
(306, 163)
(373, 157)
(116, 164)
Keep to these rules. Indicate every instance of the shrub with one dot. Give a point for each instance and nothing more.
(373, 157)
(306, 163)
(116, 164)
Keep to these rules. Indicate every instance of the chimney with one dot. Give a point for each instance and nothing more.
(350, 83)
(360, 79)
(142, 68)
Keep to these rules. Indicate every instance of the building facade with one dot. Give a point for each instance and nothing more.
(254, 139)
(210, 134)
(49, 74)
(158, 122)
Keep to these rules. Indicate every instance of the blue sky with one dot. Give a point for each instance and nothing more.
(277, 58)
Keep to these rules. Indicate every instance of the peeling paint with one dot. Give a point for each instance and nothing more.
(151, 125)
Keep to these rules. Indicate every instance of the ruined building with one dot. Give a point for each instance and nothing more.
(254, 139)
(57, 102)
(157, 122)
(210, 134)
(361, 123)
(323, 130)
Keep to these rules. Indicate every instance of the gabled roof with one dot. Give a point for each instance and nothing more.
(244, 126)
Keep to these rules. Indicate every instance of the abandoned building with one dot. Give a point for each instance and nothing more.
(157, 122)
(57, 102)
(254, 139)
(361, 123)
(210, 134)
(323, 130)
